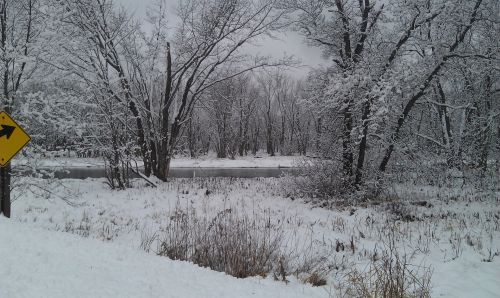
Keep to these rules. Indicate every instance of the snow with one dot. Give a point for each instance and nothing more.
(467, 278)
(115, 221)
(39, 263)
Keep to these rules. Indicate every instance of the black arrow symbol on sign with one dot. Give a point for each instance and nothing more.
(7, 130)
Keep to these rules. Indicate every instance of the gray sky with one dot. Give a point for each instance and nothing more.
(289, 44)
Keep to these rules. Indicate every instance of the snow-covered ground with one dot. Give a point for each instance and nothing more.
(210, 161)
(455, 233)
(36, 262)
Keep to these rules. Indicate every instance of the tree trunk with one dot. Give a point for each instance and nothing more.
(282, 148)
(444, 118)
(347, 155)
(269, 143)
(153, 157)
(115, 166)
(191, 138)
(362, 144)
(241, 144)
(163, 165)
(256, 144)
(319, 132)
(168, 145)
(486, 132)
(269, 133)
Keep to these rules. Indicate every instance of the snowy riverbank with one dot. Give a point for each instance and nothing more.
(454, 235)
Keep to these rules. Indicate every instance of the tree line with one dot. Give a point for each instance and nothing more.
(406, 83)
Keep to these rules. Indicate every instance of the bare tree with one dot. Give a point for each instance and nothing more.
(211, 35)
(371, 62)
(343, 35)
(449, 52)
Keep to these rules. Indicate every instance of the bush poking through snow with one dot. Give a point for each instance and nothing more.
(316, 280)
(238, 245)
(322, 183)
(147, 239)
(389, 276)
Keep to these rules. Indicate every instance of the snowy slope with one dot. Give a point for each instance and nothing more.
(41, 263)
(452, 237)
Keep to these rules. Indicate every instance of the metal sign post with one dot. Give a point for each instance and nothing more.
(13, 138)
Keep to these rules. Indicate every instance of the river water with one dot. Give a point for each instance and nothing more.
(83, 173)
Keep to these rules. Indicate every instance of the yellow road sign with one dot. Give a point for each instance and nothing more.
(12, 138)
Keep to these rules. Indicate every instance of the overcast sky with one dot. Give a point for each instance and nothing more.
(289, 44)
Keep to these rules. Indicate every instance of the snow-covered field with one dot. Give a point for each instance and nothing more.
(455, 235)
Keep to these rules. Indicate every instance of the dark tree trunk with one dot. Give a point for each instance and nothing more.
(485, 135)
(282, 137)
(362, 144)
(444, 120)
(191, 138)
(347, 155)
(153, 158)
(115, 166)
(256, 144)
(222, 140)
(241, 140)
(163, 143)
(269, 132)
(319, 132)
(269, 143)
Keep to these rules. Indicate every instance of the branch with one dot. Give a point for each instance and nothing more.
(431, 139)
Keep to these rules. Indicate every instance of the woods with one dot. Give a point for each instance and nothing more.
(382, 79)
(301, 148)
(405, 83)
